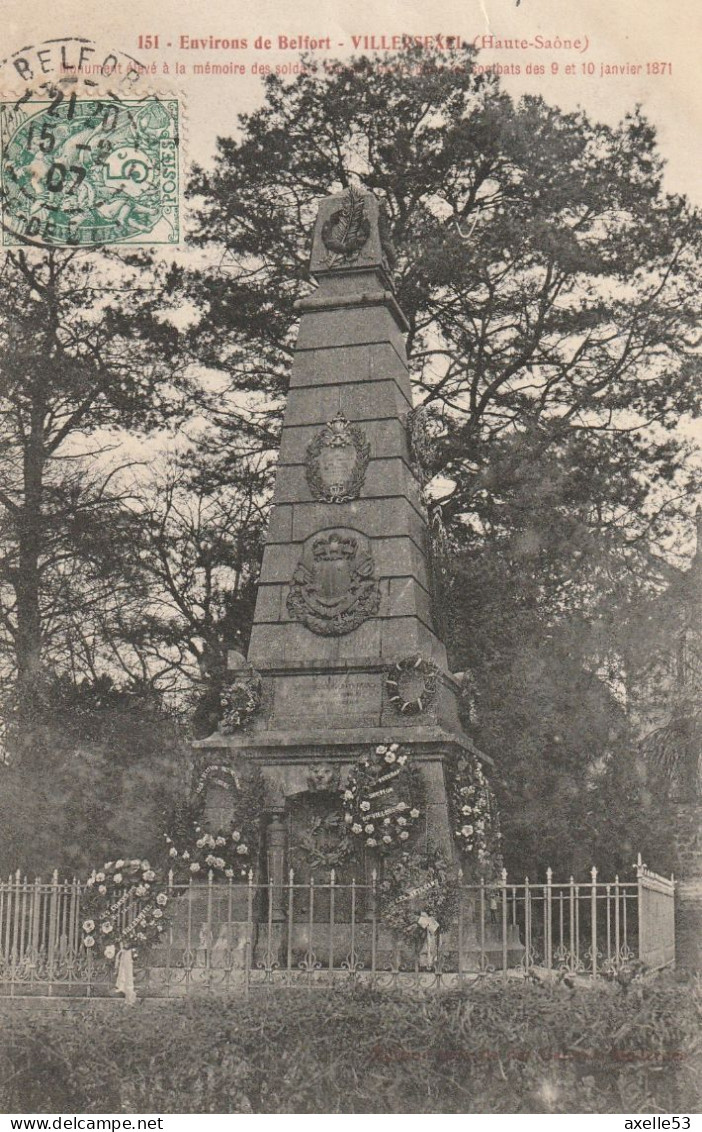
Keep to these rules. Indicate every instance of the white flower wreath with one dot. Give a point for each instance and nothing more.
(123, 906)
(476, 826)
(380, 799)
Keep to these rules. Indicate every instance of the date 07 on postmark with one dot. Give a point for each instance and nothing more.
(86, 172)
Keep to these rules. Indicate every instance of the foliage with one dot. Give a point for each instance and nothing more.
(124, 906)
(403, 680)
(492, 1048)
(100, 763)
(380, 799)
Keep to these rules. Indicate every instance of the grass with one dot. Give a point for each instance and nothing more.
(520, 1048)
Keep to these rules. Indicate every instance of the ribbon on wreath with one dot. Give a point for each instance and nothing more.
(431, 926)
(124, 966)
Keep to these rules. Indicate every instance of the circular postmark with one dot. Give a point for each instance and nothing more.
(68, 61)
(88, 157)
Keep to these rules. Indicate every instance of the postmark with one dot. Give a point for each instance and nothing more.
(86, 170)
(69, 61)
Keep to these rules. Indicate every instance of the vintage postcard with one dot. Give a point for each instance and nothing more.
(350, 560)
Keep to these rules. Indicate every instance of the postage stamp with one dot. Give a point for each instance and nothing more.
(82, 170)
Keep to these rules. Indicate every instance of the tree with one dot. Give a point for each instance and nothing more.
(103, 764)
(87, 355)
(201, 547)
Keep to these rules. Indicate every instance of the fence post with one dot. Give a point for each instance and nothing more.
(504, 923)
(548, 927)
(311, 958)
(291, 923)
(641, 917)
(617, 925)
(209, 934)
(276, 836)
(593, 920)
(528, 955)
(461, 899)
(608, 913)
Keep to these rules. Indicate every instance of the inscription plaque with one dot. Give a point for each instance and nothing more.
(331, 700)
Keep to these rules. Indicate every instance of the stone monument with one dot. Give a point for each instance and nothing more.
(344, 644)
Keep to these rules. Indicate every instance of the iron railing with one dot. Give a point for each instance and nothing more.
(235, 937)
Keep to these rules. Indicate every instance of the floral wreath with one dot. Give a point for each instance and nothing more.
(124, 905)
(418, 895)
(380, 799)
(193, 851)
(221, 773)
(474, 811)
(326, 857)
(405, 672)
(239, 701)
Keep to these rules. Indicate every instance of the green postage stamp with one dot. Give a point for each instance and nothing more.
(85, 172)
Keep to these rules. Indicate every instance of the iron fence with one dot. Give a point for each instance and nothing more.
(236, 937)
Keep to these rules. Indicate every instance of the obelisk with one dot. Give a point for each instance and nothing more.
(344, 635)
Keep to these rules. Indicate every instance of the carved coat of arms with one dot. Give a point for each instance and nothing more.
(334, 588)
(337, 460)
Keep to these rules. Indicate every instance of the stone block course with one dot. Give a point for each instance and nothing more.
(341, 365)
(384, 478)
(316, 405)
(350, 326)
(387, 439)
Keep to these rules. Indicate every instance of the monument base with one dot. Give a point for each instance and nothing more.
(296, 766)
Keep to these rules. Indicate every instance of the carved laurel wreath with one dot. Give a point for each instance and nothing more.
(415, 666)
(338, 432)
(193, 850)
(239, 702)
(348, 228)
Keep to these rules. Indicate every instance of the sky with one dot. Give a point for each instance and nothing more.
(627, 51)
